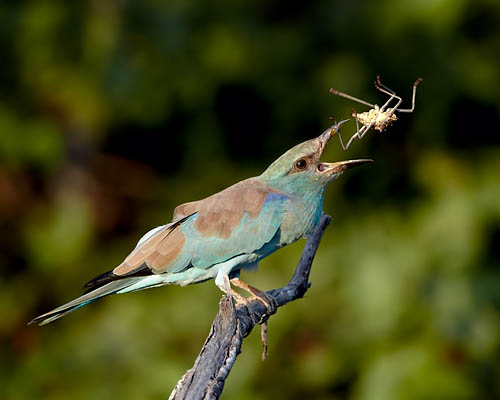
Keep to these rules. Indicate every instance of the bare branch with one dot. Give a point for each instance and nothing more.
(223, 344)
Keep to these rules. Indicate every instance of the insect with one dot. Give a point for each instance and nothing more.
(378, 118)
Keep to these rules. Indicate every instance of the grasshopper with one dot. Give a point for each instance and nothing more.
(378, 118)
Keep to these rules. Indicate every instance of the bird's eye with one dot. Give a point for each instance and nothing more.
(301, 164)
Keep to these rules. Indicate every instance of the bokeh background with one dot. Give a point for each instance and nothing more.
(114, 112)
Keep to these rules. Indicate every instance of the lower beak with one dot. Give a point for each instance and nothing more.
(340, 166)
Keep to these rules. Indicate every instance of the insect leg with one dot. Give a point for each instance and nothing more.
(360, 132)
(379, 85)
(384, 89)
(356, 134)
(386, 104)
(367, 128)
(350, 141)
(340, 137)
(355, 115)
(358, 129)
(348, 96)
(409, 110)
(342, 142)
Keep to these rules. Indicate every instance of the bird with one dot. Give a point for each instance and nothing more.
(230, 231)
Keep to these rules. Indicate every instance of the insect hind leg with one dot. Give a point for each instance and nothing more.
(384, 89)
(345, 147)
(409, 110)
(360, 132)
(348, 96)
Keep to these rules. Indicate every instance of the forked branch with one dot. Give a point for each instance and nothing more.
(205, 380)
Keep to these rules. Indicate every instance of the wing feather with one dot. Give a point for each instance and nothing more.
(240, 219)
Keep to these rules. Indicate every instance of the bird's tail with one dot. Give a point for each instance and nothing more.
(110, 288)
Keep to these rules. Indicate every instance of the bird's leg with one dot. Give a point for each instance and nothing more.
(225, 287)
(266, 299)
(238, 298)
(224, 284)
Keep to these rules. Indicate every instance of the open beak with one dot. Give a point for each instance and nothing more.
(341, 166)
(336, 168)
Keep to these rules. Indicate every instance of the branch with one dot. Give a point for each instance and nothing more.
(223, 344)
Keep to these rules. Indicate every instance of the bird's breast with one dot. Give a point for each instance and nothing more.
(300, 218)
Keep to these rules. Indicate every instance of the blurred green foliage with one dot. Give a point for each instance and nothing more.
(113, 112)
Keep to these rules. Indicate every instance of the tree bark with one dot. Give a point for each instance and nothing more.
(205, 380)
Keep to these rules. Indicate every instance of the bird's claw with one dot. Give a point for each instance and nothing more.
(268, 301)
(257, 294)
(239, 299)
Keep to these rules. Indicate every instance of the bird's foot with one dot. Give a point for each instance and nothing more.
(238, 298)
(268, 301)
(225, 287)
(258, 294)
(223, 283)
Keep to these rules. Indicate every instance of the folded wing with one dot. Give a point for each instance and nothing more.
(240, 219)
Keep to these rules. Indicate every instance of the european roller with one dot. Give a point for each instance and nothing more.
(225, 233)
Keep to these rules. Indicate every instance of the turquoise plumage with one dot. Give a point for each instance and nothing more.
(232, 230)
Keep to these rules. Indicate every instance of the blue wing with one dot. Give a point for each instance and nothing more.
(241, 219)
(251, 235)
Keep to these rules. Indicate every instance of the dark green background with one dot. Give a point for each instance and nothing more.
(114, 112)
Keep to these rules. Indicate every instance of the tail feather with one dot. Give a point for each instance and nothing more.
(109, 288)
(109, 276)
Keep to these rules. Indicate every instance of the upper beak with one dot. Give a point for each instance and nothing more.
(325, 137)
(340, 166)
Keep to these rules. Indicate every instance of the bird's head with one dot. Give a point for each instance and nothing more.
(301, 165)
